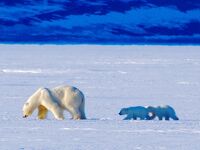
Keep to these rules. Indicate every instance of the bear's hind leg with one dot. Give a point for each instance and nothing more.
(42, 112)
(76, 114)
(167, 118)
(147, 117)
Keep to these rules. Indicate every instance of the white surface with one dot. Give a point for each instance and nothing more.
(111, 77)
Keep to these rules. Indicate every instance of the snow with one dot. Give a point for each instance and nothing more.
(111, 77)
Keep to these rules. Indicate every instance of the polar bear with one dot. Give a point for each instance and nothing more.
(56, 100)
(135, 112)
(161, 112)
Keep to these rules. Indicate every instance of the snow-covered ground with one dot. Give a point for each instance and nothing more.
(111, 77)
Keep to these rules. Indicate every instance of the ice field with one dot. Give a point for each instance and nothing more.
(111, 77)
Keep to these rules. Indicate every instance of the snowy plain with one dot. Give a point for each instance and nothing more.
(111, 77)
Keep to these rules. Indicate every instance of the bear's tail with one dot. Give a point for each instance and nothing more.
(82, 108)
(175, 117)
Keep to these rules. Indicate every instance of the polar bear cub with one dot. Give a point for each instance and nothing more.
(135, 112)
(161, 112)
(56, 100)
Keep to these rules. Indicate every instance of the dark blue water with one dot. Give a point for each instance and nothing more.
(100, 21)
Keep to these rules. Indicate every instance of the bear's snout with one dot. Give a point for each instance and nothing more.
(120, 113)
(25, 116)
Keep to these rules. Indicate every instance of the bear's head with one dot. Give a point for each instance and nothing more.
(123, 111)
(27, 110)
(32, 103)
(151, 112)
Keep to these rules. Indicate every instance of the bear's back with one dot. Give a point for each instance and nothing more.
(67, 93)
(138, 110)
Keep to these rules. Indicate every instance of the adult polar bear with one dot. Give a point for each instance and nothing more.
(56, 100)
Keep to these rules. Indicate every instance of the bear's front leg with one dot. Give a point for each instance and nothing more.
(134, 117)
(42, 112)
(56, 110)
(50, 103)
(128, 117)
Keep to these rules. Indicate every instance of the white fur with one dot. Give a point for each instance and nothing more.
(135, 112)
(161, 112)
(56, 100)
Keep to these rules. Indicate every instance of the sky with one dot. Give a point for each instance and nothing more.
(100, 21)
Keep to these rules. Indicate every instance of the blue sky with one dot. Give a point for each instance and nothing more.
(100, 21)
